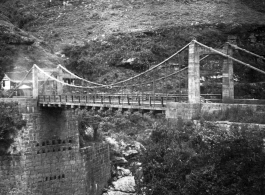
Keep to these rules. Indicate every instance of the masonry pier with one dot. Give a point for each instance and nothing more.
(51, 160)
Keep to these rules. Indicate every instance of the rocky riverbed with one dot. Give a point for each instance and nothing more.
(126, 168)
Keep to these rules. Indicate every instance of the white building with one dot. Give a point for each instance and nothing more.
(12, 79)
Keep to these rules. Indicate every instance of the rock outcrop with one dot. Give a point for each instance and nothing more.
(125, 184)
(126, 170)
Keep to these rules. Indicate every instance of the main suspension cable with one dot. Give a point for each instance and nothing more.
(228, 56)
(151, 67)
(52, 78)
(72, 74)
(249, 52)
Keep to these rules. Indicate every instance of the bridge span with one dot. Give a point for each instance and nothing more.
(192, 75)
(184, 85)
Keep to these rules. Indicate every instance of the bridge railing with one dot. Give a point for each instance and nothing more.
(153, 100)
(211, 98)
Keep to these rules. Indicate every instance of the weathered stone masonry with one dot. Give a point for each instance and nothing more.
(51, 161)
(190, 111)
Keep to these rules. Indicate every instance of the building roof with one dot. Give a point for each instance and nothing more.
(17, 77)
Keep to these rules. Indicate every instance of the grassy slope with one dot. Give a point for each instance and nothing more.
(75, 24)
(168, 24)
(20, 47)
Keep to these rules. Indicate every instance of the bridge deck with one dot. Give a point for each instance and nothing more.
(119, 101)
(109, 101)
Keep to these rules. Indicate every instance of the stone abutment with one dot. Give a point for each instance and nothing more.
(50, 160)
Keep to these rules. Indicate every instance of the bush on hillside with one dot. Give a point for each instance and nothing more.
(189, 161)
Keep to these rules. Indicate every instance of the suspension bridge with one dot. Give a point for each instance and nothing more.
(195, 79)
(191, 75)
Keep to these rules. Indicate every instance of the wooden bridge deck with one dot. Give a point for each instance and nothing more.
(134, 102)
(156, 102)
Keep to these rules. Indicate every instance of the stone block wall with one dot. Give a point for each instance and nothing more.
(11, 174)
(59, 173)
(52, 130)
(228, 126)
(50, 159)
(189, 111)
(217, 107)
(97, 167)
(175, 110)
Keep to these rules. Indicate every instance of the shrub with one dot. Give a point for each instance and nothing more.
(185, 160)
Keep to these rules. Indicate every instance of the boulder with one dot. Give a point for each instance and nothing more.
(125, 184)
(123, 172)
(113, 143)
(126, 62)
(130, 153)
(119, 160)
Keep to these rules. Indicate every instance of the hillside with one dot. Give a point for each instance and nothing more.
(101, 34)
(98, 19)
(19, 49)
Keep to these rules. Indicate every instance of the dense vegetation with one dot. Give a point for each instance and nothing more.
(183, 160)
(94, 125)
(10, 123)
(98, 59)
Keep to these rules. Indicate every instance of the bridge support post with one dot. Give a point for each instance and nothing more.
(228, 82)
(35, 86)
(60, 85)
(194, 74)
